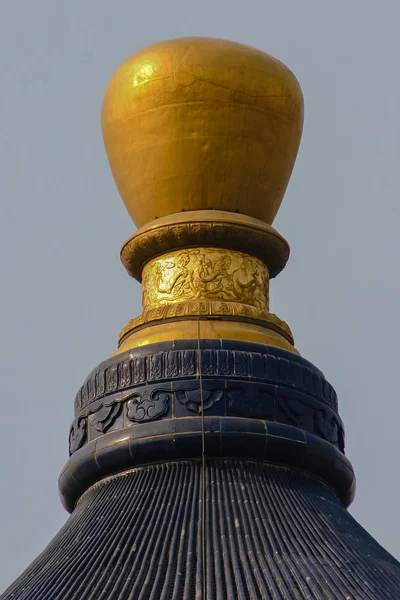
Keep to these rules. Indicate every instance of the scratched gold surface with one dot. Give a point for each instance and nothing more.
(199, 123)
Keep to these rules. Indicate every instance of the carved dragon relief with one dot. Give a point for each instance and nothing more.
(206, 282)
(206, 274)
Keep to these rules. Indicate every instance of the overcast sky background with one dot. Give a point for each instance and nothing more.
(64, 293)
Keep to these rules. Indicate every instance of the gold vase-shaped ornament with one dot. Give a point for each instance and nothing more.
(201, 136)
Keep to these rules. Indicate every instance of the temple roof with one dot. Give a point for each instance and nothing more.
(206, 455)
(270, 532)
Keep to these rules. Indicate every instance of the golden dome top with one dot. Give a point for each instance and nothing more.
(200, 123)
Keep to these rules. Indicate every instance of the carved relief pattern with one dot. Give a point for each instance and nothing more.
(176, 364)
(77, 435)
(105, 415)
(295, 411)
(250, 401)
(101, 414)
(206, 274)
(259, 406)
(134, 389)
(329, 427)
(261, 241)
(303, 412)
(145, 406)
(195, 400)
(207, 308)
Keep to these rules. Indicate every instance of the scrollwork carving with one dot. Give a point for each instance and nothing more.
(249, 400)
(105, 415)
(177, 363)
(257, 405)
(197, 400)
(327, 425)
(310, 415)
(294, 410)
(257, 239)
(77, 435)
(211, 308)
(147, 406)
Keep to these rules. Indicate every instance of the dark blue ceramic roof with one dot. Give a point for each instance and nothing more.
(270, 532)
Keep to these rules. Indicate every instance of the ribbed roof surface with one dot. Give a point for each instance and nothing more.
(270, 532)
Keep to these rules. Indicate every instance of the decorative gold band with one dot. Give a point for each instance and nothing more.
(207, 309)
(207, 264)
(225, 276)
(206, 228)
(204, 328)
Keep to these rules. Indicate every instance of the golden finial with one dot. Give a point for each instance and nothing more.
(197, 123)
(202, 135)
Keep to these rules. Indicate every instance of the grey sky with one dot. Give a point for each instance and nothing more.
(65, 295)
